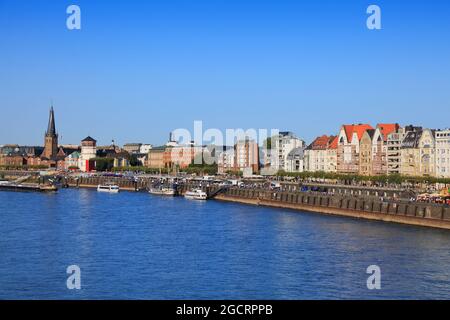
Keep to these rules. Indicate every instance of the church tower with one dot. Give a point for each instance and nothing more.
(51, 138)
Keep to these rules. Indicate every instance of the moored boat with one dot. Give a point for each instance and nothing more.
(108, 188)
(163, 191)
(196, 194)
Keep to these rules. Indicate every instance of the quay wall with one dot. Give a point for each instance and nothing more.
(355, 206)
(418, 214)
(93, 182)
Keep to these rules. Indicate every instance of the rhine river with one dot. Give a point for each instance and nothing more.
(139, 246)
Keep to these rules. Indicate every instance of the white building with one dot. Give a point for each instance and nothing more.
(282, 145)
(319, 156)
(88, 152)
(295, 161)
(442, 143)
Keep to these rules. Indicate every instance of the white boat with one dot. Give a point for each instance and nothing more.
(163, 191)
(108, 188)
(196, 194)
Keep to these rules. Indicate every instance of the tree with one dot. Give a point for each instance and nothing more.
(104, 164)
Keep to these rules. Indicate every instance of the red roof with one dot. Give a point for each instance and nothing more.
(358, 128)
(387, 128)
(333, 142)
(322, 143)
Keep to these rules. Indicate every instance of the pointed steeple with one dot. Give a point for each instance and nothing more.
(51, 130)
(51, 138)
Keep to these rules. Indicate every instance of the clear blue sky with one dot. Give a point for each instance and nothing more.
(139, 69)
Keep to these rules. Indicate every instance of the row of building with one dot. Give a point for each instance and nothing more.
(362, 149)
(356, 149)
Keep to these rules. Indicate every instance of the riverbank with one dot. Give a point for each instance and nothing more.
(349, 213)
(342, 201)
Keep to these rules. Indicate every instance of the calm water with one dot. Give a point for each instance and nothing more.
(138, 246)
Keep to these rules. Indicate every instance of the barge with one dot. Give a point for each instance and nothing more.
(10, 186)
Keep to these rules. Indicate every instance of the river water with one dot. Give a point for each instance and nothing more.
(139, 246)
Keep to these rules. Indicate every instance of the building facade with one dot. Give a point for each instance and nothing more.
(247, 155)
(348, 147)
(380, 147)
(410, 152)
(12, 160)
(427, 150)
(88, 152)
(331, 161)
(132, 147)
(282, 145)
(226, 161)
(295, 160)
(394, 151)
(317, 154)
(442, 140)
(155, 158)
(72, 161)
(366, 153)
(244, 156)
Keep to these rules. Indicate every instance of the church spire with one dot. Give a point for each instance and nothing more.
(51, 130)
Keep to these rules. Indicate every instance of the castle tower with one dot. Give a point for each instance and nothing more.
(51, 138)
(88, 152)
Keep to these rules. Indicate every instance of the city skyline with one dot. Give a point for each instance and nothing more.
(135, 73)
(169, 135)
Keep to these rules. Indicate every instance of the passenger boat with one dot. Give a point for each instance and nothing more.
(108, 188)
(163, 191)
(196, 194)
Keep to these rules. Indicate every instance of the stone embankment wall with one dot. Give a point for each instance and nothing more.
(420, 214)
(356, 205)
(93, 182)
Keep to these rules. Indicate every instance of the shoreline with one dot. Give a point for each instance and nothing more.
(348, 213)
(415, 214)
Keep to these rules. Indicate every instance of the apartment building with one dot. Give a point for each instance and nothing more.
(282, 145)
(349, 139)
(442, 140)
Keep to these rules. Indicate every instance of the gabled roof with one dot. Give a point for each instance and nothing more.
(359, 129)
(387, 128)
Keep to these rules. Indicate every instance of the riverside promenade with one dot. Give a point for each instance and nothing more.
(360, 205)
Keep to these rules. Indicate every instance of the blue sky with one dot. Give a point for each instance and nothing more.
(139, 69)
